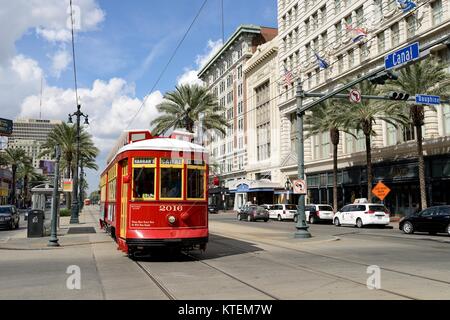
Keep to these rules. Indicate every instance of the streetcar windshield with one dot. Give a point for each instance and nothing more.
(144, 183)
(171, 179)
(196, 184)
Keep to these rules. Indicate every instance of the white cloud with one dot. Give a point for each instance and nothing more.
(60, 62)
(190, 75)
(110, 106)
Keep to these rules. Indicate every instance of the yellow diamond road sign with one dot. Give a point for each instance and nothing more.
(381, 190)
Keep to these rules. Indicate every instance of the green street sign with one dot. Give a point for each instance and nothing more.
(6, 127)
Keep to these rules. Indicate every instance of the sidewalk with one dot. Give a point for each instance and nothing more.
(31, 270)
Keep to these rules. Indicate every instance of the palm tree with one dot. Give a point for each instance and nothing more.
(329, 116)
(428, 76)
(27, 173)
(364, 115)
(14, 158)
(66, 137)
(181, 109)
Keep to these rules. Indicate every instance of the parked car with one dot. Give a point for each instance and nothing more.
(432, 220)
(9, 217)
(212, 208)
(362, 214)
(253, 213)
(283, 211)
(319, 212)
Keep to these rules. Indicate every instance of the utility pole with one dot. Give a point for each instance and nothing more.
(302, 228)
(53, 241)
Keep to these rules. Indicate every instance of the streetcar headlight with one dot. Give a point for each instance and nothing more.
(172, 219)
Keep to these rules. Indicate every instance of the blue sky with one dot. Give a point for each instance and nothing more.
(121, 48)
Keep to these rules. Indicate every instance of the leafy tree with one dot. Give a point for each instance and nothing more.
(14, 158)
(428, 76)
(181, 109)
(364, 115)
(329, 116)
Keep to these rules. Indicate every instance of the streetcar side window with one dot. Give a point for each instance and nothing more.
(171, 183)
(144, 183)
(196, 184)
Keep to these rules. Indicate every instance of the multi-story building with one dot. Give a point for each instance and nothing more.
(29, 135)
(306, 27)
(225, 78)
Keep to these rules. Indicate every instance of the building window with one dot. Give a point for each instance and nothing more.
(391, 134)
(411, 26)
(241, 162)
(446, 113)
(240, 107)
(340, 63)
(240, 72)
(408, 133)
(323, 15)
(307, 27)
(436, 9)
(395, 34)
(263, 121)
(359, 16)
(381, 42)
(241, 125)
(241, 142)
(293, 124)
(391, 5)
(337, 6)
(351, 58)
(360, 141)
(338, 28)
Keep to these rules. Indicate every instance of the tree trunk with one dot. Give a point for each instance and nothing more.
(422, 185)
(13, 187)
(335, 182)
(334, 138)
(69, 194)
(25, 189)
(369, 167)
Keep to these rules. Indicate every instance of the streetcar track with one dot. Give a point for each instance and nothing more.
(157, 282)
(233, 277)
(328, 274)
(360, 233)
(345, 260)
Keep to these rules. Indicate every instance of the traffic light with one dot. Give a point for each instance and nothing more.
(398, 96)
(382, 77)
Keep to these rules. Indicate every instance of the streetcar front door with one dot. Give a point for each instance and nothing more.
(124, 201)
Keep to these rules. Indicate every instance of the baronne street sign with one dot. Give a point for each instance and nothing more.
(402, 56)
(6, 127)
(426, 99)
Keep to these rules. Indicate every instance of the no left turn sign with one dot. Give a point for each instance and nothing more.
(355, 96)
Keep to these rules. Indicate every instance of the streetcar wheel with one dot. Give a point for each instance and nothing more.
(408, 228)
(336, 222)
(359, 223)
(279, 218)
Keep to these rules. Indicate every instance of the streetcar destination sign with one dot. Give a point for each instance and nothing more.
(402, 56)
(426, 99)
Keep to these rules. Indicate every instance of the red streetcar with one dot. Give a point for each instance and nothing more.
(153, 193)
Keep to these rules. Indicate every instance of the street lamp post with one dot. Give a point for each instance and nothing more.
(302, 228)
(81, 196)
(287, 187)
(75, 205)
(53, 241)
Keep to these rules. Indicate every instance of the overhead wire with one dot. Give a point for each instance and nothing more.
(168, 63)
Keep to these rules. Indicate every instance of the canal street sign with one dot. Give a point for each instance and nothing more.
(381, 190)
(299, 186)
(6, 127)
(402, 56)
(426, 99)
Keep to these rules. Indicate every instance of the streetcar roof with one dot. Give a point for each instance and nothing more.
(163, 144)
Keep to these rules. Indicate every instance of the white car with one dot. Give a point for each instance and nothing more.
(362, 214)
(318, 212)
(282, 211)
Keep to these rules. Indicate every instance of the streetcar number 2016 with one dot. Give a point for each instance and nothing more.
(170, 208)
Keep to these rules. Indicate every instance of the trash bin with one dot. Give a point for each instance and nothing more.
(35, 223)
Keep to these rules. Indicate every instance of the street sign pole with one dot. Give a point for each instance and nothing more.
(302, 228)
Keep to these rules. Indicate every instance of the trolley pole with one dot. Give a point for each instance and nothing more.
(302, 228)
(53, 241)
